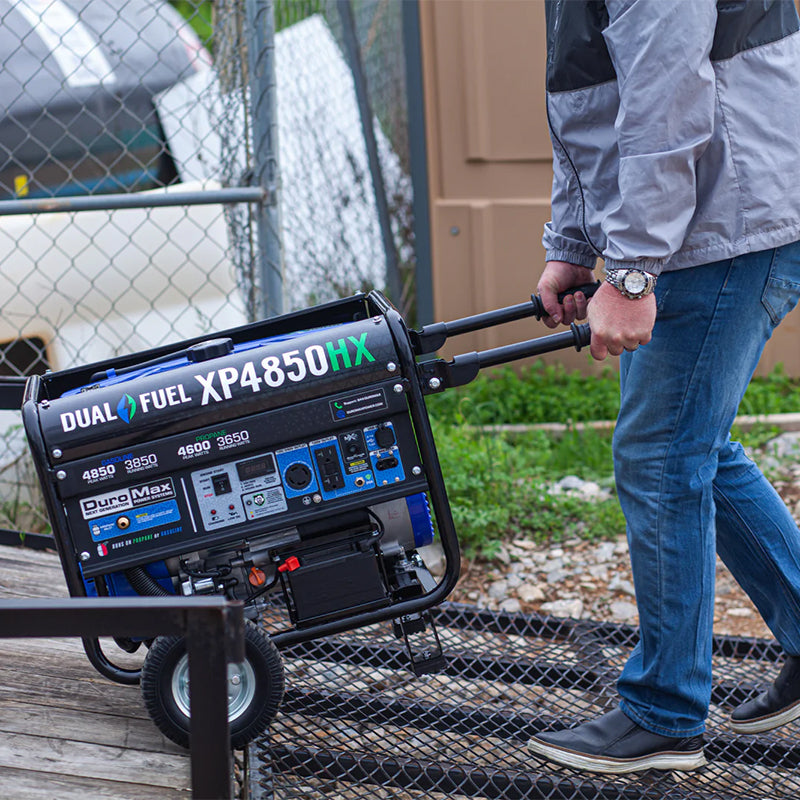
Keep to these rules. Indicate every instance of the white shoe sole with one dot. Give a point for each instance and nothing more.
(669, 760)
(761, 724)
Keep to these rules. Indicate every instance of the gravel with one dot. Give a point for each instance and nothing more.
(582, 579)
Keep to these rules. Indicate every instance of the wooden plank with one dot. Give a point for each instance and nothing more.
(65, 756)
(70, 648)
(28, 555)
(16, 558)
(67, 648)
(84, 726)
(66, 731)
(22, 784)
(106, 698)
(60, 657)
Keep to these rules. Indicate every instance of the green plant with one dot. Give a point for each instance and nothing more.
(775, 393)
(498, 486)
(550, 393)
(535, 393)
(499, 483)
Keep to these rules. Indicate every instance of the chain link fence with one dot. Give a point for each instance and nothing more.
(168, 170)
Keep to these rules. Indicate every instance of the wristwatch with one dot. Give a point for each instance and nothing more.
(633, 283)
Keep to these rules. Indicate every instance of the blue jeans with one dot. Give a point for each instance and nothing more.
(688, 491)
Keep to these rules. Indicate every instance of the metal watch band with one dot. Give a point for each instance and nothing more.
(631, 282)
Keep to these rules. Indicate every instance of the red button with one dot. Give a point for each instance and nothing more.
(290, 565)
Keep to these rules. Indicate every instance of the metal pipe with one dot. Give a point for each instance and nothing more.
(263, 99)
(418, 154)
(110, 202)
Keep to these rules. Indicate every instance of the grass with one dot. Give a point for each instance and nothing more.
(500, 484)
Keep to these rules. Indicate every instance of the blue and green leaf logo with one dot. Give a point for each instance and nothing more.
(126, 408)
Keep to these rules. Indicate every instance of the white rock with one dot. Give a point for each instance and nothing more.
(530, 594)
(570, 482)
(604, 552)
(498, 590)
(623, 611)
(598, 571)
(739, 612)
(619, 584)
(524, 544)
(502, 554)
(514, 581)
(787, 445)
(564, 608)
(510, 605)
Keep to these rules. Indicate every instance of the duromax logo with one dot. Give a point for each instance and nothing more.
(126, 408)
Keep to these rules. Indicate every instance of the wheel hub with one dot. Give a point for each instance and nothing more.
(241, 687)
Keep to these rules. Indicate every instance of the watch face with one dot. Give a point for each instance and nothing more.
(634, 282)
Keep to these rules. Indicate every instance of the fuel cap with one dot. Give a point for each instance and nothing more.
(213, 348)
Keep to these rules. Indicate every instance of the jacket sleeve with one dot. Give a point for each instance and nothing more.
(661, 53)
(563, 238)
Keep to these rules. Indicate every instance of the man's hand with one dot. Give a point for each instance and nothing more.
(618, 323)
(558, 276)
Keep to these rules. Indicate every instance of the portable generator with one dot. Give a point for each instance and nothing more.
(289, 462)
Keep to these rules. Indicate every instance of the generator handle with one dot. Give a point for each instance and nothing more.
(437, 374)
(431, 337)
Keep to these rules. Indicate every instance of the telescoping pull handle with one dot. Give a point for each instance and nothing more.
(431, 337)
(437, 375)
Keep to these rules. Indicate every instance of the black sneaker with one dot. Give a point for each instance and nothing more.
(615, 744)
(775, 707)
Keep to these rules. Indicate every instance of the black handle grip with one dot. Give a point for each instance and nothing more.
(432, 337)
(587, 288)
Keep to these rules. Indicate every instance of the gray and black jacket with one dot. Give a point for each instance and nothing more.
(675, 128)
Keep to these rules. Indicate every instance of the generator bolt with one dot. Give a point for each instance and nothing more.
(57, 453)
(416, 470)
(317, 498)
(84, 556)
(434, 383)
(391, 366)
(398, 388)
(61, 474)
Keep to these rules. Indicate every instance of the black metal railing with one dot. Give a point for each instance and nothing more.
(214, 631)
(357, 723)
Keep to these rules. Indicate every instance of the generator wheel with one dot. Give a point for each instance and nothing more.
(255, 688)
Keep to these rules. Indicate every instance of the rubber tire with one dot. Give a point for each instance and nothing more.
(156, 683)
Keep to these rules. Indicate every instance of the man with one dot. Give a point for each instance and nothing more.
(676, 137)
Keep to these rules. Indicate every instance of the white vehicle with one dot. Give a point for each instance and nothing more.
(77, 84)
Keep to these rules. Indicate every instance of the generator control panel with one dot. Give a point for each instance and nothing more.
(218, 483)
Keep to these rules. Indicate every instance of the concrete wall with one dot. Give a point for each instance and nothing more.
(490, 168)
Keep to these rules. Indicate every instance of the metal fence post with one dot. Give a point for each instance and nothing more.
(261, 66)
(393, 287)
(418, 156)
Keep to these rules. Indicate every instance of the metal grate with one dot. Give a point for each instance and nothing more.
(356, 722)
